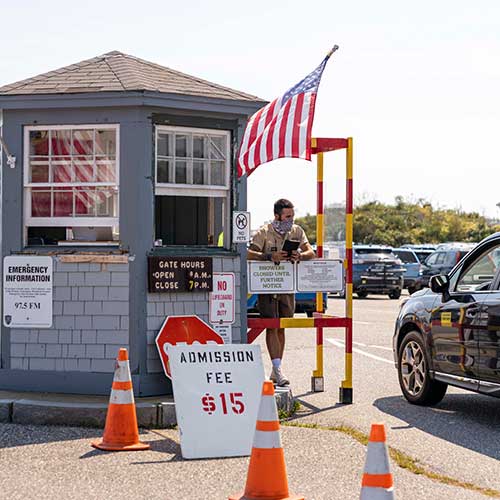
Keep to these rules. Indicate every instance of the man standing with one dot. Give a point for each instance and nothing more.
(267, 244)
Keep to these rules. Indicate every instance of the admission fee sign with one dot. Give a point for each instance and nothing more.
(27, 291)
(217, 391)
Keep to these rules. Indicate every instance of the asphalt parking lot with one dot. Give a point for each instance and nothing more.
(450, 450)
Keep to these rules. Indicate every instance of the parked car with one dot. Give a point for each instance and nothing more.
(413, 268)
(376, 270)
(422, 251)
(305, 302)
(450, 334)
(442, 260)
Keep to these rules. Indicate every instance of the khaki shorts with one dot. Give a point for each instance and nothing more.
(276, 306)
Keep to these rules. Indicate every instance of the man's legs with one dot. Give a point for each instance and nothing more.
(270, 306)
(275, 341)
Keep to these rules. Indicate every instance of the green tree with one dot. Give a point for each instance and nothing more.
(403, 222)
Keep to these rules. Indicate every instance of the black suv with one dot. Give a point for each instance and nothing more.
(442, 261)
(375, 269)
(450, 334)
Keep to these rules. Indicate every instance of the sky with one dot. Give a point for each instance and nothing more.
(416, 84)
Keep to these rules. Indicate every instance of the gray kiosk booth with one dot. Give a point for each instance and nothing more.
(121, 166)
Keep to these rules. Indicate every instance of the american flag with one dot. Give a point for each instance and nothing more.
(282, 129)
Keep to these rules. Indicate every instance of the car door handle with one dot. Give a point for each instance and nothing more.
(471, 312)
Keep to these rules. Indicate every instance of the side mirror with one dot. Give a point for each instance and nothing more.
(440, 283)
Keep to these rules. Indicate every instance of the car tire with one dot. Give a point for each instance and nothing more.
(362, 294)
(412, 290)
(413, 373)
(395, 294)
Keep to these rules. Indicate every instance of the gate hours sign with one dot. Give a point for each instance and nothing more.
(27, 291)
(217, 391)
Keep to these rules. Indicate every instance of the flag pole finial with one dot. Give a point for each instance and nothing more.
(332, 50)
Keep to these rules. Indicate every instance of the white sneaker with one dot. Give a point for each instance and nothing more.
(278, 378)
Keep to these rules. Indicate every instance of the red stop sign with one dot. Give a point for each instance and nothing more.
(178, 329)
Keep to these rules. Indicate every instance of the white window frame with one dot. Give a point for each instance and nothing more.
(30, 221)
(174, 189)
(198, 190)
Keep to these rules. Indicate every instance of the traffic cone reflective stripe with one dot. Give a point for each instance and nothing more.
(266, 479)
(377, 482)
(121, 432)
(267, 426)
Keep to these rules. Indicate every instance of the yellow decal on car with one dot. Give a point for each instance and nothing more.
(446, 319)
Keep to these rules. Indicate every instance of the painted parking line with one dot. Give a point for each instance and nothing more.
(372, 345)
(385, 348)
(359, 351)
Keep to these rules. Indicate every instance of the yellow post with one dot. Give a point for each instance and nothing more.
(317, 376)
(346, 386)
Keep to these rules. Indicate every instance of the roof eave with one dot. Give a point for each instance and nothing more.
(130, 98)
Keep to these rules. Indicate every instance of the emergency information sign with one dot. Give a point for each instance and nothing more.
(221, 299)
(267, 277)
(320, 275)
(241, 227)
(27, 291)
(217, 392)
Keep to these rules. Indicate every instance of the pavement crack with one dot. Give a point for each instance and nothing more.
(402, 459)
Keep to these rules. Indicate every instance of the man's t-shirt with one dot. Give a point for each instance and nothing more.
(268, 238)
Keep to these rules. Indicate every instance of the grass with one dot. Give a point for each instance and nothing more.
(284, 415)
(402, 459)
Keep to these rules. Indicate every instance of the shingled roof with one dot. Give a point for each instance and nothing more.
(118, 72)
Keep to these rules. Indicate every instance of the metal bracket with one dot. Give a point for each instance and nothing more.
(11, 160)
(317, 384)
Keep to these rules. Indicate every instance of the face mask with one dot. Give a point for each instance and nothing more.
(282, 226)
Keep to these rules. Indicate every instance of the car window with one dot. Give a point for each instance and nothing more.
(406, 256)
(363, 251)
(431, 259)
(440, 257)
(422, 255)
(480, 273)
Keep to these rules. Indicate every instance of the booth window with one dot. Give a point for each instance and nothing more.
(192, 191)
(71, 185)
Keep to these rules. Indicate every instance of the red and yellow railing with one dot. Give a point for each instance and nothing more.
(320, 321)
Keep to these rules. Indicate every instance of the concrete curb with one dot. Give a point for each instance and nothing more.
(150, 414)
(5, 410)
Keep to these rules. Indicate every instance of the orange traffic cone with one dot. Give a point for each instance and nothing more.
(377, 483)
(266, 477)
(121, 432)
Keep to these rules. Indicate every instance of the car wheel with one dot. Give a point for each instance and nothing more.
(414, 379)
(412, 290)
(309, 314)
(362, 295)
(395, 294)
